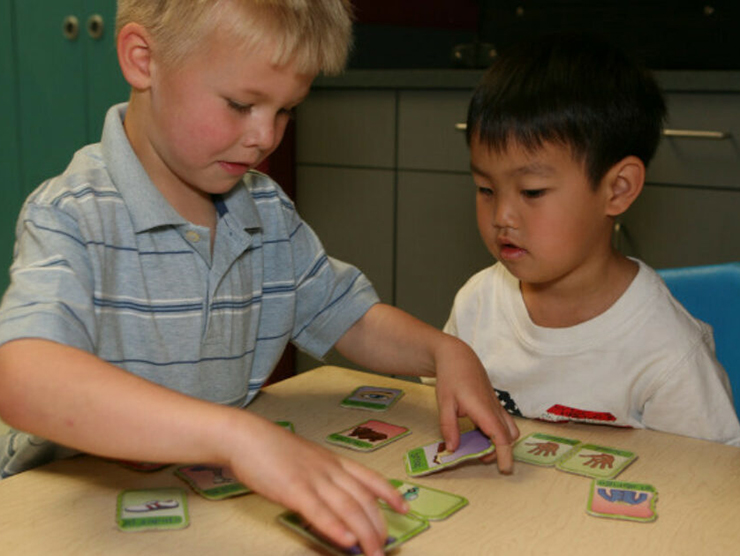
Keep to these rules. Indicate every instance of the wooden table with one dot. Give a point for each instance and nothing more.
(68, 507)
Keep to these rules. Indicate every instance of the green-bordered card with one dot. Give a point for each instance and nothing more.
(435, 457)
(368, 435)
(543, 449)
(152, 509)
(429, 503)
(212, 481)
(373, 398)
(622, 500)
(598, 462)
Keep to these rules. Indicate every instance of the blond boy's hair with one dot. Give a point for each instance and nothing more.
(314, 35)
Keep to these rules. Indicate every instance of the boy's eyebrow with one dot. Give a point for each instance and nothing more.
(537, 168)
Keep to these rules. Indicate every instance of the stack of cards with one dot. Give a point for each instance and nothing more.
(435, 457)
(425, 504)
(400, 529)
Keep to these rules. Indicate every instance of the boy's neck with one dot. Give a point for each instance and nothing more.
(570, 302)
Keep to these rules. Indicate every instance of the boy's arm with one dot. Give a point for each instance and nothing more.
(390, 341)
(76, 399)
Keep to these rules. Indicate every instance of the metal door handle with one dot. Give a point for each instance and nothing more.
(95, 27)
(696, 134)
(70, 27)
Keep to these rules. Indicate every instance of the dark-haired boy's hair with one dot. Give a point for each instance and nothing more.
(573, 90)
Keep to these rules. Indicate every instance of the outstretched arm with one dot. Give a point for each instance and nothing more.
(76, 399)
(388, 340)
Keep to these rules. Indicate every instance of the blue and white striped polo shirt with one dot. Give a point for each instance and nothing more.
(103, 263)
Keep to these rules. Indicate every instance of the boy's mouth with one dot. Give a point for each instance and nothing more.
(510, 251)
(234, 168)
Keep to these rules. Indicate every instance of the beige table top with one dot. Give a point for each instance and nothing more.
(69, 507)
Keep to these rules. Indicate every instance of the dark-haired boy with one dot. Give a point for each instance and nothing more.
(560, 132)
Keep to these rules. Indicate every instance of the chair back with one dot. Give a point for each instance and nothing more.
(711, 294)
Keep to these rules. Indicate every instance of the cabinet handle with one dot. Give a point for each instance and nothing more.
(682, 133)
(70, 27)
(696, 134)
(95, 27)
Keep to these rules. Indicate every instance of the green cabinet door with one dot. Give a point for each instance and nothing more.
(10, 184)
(51, 86)
(59, 74)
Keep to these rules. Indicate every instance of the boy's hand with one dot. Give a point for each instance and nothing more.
(337, 495)
(464, 390)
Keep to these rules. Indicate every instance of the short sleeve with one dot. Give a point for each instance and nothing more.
(51, 289)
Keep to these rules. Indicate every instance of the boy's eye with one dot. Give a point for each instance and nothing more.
(241, 108)
(289, 112)
(533, 193)
(487, 191)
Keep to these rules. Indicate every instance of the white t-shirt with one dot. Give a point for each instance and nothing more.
(643, 363)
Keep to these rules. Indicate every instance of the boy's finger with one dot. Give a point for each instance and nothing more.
(378, 485)
(448, 424)
(346, 521)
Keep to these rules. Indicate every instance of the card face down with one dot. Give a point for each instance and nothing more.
(622, 500)
(368, 436)
(434, 457)
(401, 528)
(598, 462)
(372, 398)
(152, 509)
(211, 481)
(543, 449)
(429, 503)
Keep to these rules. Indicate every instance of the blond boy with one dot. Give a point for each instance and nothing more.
(157, 280)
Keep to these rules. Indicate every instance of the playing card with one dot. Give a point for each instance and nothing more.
(368, 436)
(373, 398)
(543, 449)
(152, 509)
(401, 528)
(434, 457)
(622, 500)
(429, 503)
(211, 481)
(598, 462)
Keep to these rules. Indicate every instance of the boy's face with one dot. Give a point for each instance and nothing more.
(216, 116)
(538, 213)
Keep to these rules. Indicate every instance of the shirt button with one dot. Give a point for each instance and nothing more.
(193, 236)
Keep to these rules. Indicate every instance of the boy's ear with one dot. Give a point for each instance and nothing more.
(624, 183)
(135, 55)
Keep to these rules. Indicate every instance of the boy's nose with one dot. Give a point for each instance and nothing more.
(261, 134)
(504, 214)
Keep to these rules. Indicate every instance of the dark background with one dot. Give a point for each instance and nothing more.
(394, 34)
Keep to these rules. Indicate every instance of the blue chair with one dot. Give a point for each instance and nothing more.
(712, 294)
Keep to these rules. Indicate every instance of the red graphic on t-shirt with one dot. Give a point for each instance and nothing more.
(558, 413)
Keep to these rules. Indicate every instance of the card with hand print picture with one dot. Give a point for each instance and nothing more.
(598, 462)
(543, 449)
